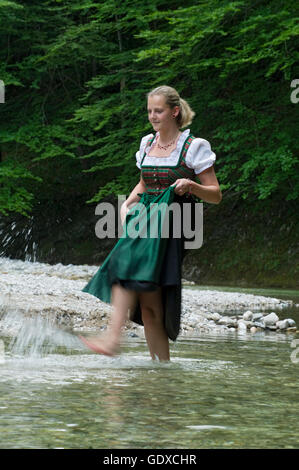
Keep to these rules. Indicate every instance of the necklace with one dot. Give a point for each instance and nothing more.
(165, 147)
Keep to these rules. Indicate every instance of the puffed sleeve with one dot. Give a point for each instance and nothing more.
(140, 152)
(200, 156)
(138, 160)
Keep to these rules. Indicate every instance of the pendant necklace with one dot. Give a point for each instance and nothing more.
(165, 147)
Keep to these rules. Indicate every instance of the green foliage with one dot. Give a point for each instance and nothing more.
(77, 72)
(13, 196)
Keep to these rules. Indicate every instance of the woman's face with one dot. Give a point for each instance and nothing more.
(160, 114)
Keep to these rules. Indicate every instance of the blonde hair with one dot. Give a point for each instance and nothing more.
(172, 99)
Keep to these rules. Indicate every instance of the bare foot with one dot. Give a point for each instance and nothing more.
(101, 344)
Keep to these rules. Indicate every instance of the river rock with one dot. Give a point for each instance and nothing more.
(257, 316)
(272, 327)
(291, 322)
(282, 324)
(259, 324)
(213, 316)
(270, 319)
(253, 329)
(227, 321)
(247, 315)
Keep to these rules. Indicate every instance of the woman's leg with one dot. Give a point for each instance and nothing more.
(152, 317)
(123, 300)
(108, 342)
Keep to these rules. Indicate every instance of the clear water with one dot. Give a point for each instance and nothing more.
(228, 391)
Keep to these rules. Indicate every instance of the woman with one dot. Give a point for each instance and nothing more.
(144, 276)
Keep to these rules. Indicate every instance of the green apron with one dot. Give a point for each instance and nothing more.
(140, 257)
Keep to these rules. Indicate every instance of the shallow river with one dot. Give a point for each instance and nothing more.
(224, 391)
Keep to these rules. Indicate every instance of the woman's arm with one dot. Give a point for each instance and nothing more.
(132, 199)
(208, 189)
(139, 188)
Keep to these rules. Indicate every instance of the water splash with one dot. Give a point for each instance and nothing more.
(36, 336)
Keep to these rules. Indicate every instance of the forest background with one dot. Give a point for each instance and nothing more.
(75, 76)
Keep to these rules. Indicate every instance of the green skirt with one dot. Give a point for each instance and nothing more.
(146, 257)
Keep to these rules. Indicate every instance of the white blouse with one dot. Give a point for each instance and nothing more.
(199, 156)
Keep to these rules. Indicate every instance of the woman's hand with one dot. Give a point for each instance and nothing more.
(123, 212)
(182, 186)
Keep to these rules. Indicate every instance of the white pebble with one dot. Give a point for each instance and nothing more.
(227, 321)
(282, 324)
(248, 315)
(271, 319)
